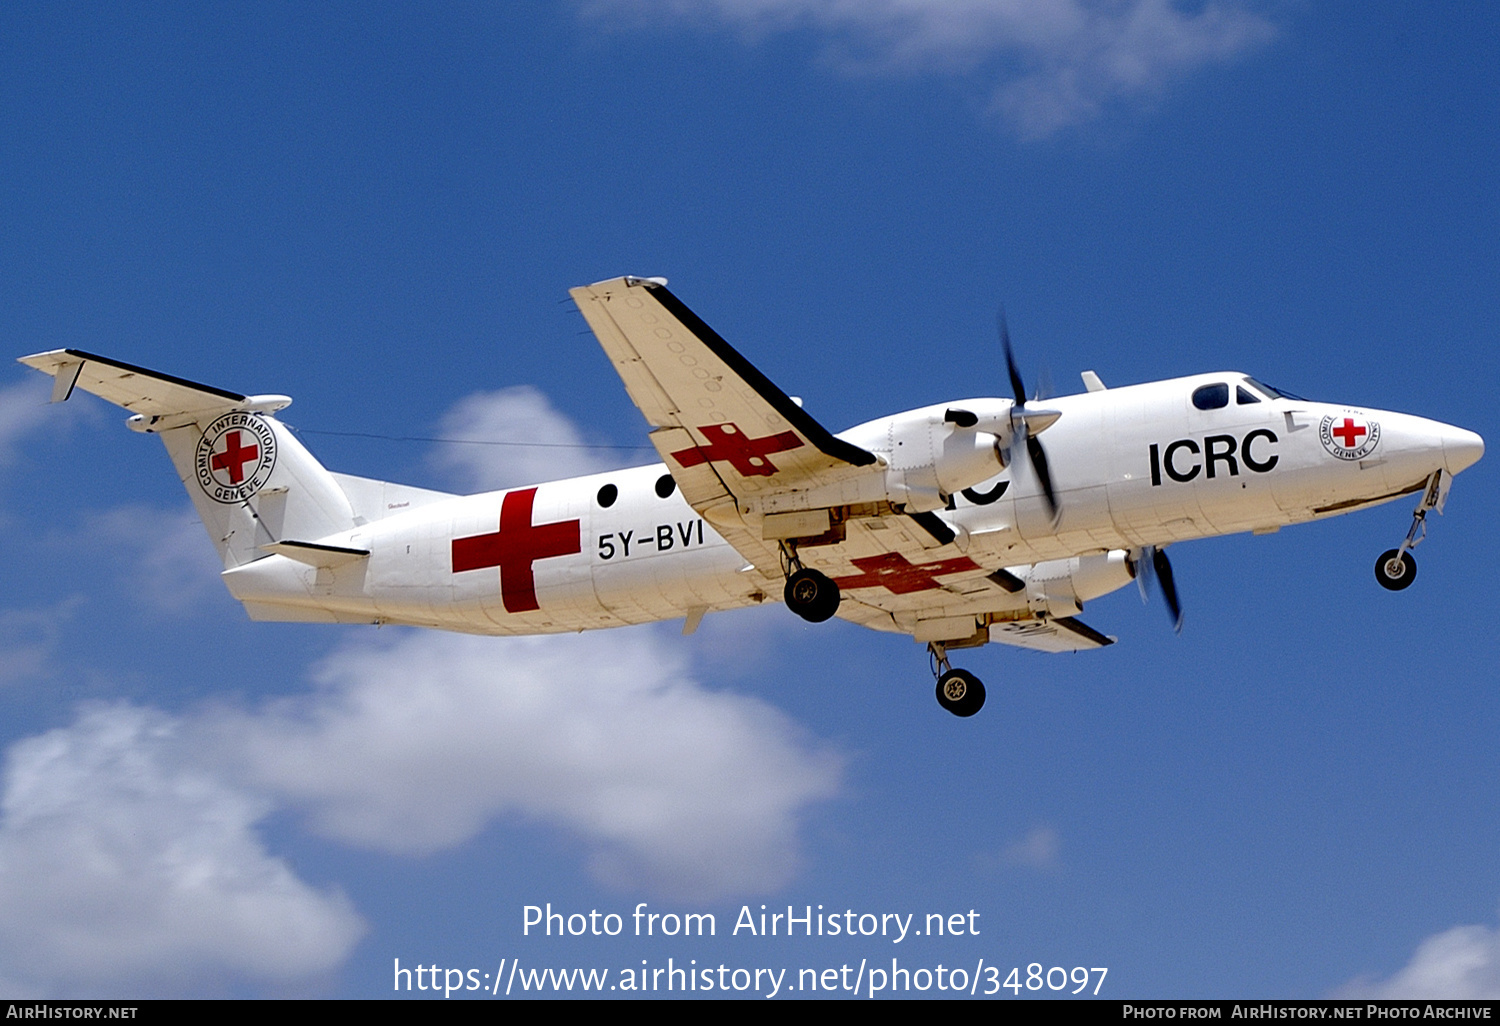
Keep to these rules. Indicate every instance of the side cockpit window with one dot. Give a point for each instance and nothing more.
(1211, 397)
(1243, 396)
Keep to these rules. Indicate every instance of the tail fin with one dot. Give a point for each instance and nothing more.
(252, 482)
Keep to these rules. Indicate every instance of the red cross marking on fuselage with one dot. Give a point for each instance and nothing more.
(894, 573)
(747, 455)
(515, 547)
(234, 458)
(1349, 433)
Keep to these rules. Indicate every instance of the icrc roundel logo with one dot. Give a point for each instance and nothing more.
(235, 457)
(1349, 435)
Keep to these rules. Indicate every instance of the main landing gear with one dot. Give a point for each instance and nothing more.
(1396, 569)
(958, 691)
(815, 597)
(808, 593)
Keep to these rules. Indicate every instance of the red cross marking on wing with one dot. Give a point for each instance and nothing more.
(1349, 433)
(234, 457)
(515, 547)
(728, 443)
(894, 573)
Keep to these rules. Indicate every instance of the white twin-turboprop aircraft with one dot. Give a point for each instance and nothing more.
(950, 523)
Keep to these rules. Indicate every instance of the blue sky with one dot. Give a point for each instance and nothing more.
(378, 210)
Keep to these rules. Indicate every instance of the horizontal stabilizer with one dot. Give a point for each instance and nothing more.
(313, 554)
(146, 392)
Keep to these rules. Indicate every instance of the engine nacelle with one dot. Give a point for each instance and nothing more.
(930, 458)
(925, 456)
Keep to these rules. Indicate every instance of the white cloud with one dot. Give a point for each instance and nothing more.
(125, 869)
(518, 438)
(171, 562)
(1037, 849)
(1461, 964)
(22, 409)
(130, 859)
(1048, 63)
(28, 638)
(417, 744)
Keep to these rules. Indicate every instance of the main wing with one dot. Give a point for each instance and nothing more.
(760, 468)
(727, 434)
(710, 406)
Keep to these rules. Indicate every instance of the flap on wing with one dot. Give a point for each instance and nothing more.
(683, 375)
(137, 389)
(1058, 634)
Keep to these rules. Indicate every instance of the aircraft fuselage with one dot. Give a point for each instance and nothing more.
(1134, 467)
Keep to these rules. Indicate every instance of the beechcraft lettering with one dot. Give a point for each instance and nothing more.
(955, 524)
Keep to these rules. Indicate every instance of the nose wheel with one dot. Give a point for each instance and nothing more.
(1395, 570)
(958, 691)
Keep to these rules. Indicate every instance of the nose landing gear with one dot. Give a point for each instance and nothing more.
(958, 691)
(1396, 569)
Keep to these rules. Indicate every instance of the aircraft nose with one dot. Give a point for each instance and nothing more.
(1461, 448)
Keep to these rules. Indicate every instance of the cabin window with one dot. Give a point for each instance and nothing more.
(607, 495)
(1211, 397)
(665, 486)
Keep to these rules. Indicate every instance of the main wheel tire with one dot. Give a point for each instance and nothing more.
(1395, 573)
(811, 595)
(960, 692)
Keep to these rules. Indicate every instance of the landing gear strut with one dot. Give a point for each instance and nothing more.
(958, 691)
(808, 593)
(1396, 569)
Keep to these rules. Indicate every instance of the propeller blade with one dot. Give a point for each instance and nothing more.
(1043, 472)
(1017, 386)
(1163, 567)
(1029, 423)
(1143, 572)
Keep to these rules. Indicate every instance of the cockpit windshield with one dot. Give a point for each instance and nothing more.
(1273, 393)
